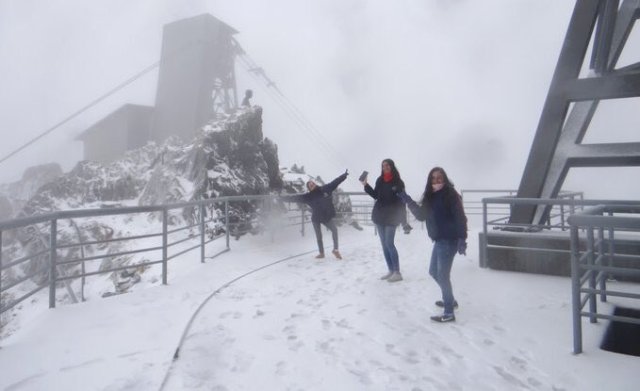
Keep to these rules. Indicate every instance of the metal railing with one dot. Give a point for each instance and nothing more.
(50, 250)
(558, 222)
(472, 201)
(593, 264)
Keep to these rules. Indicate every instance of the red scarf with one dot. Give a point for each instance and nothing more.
(387, 176)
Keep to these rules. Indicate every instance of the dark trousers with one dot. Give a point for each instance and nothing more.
(334, 234)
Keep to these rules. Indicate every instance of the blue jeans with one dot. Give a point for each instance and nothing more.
(440, 269)
(387, 235)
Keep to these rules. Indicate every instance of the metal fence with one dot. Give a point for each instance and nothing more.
(557, 222)
(52, 250)
(472, 201)
(592, 264)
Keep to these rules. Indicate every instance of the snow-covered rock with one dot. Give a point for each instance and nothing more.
(229, 156)
(14, 196)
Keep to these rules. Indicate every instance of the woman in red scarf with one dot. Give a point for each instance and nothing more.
(388, 212)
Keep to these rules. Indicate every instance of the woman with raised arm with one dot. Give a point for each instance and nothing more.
(388, 212)
(441, 208)
(320, 200)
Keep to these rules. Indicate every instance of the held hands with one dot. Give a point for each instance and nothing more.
(402, 195)
(462, 246)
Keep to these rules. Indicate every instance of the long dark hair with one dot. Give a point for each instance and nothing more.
(428, 189)
(394, 170)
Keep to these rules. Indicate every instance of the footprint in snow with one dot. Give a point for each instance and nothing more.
(281, 368)
(534, 382)
(519, 362)
(499, 329)
(435, 360)
(509, 377)
(83, 364)
(232, 314)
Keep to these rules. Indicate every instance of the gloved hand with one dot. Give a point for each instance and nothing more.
(462, 246)
(406, 228)
(346, 172)
(403, 196)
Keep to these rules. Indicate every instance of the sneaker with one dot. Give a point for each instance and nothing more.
(337, 254)
(395, 277)
(386, 276)
(444, 318)
(319, 256)
(440, 303)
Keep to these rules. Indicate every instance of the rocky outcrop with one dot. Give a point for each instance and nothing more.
(14, 196)
(229, 156)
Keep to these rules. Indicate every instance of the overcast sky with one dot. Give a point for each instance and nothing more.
(455, 83)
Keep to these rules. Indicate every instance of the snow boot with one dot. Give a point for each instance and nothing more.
(336, 253)
(386, 276)
(320, 256)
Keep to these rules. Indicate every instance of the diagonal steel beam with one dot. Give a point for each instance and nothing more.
(605, 87)
(604, 155)
(613, 28)
(555, 108)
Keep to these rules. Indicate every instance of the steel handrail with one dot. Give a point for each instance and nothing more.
(51, 221)
(593, 265)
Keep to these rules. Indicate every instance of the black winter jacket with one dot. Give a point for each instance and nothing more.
(320, 200)
(445, 216)
(388, 208)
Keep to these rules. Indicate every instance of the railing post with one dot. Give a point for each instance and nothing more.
(303, 218)
(266, 212)
(165, 239)
(562, 219)
(226, 220)
(581, 200)
(602, 256)
(484, 260)
(575, 290)
(592, 275)
(0, 279)
(53, 252)
(202, 211)
(611, 247)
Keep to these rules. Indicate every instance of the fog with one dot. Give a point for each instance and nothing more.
(454, 83)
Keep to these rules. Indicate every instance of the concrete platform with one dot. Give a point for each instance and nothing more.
(547, 252)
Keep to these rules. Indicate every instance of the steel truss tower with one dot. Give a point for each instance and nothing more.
(557, 145)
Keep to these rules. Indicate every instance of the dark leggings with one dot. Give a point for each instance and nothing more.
(334, 234)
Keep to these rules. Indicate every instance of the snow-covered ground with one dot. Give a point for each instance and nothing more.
(305, 324)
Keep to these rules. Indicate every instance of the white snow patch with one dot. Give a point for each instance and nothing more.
(318, 325)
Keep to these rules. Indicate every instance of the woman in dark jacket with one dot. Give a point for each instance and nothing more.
(442, 209)
(320, 199)
(388, 213)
